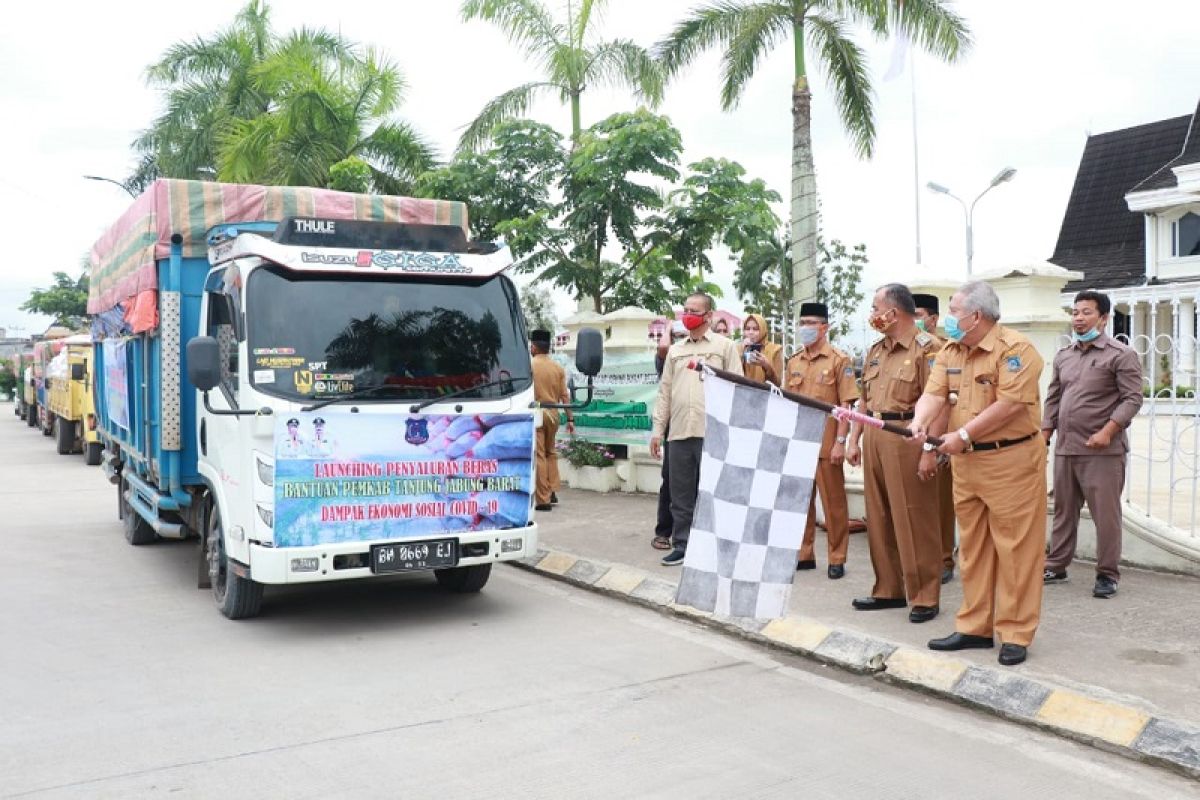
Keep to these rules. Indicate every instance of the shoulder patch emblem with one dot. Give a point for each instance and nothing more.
(1014, 363)
(849, 373)
(931, 360)
(924, 339)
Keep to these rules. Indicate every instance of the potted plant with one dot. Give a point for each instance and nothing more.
(592, 465)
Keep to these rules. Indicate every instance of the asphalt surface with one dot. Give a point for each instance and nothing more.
(119, 679)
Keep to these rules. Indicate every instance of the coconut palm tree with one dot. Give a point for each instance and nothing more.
(818, 32)
(571, 56)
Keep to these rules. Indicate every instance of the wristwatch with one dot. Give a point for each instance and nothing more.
(841, 440)
(928, 447)
(962, 434)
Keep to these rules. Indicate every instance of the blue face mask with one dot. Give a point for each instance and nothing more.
(950, 326)
(1086, 337)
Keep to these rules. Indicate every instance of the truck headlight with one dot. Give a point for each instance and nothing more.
(266, 472)
(266, 515)
(511, 545)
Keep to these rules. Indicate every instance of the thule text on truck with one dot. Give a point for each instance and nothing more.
(317, 385)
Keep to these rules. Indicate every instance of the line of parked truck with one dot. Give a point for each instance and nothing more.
(56, 394)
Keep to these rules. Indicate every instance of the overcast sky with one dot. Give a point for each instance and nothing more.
(1042, 75)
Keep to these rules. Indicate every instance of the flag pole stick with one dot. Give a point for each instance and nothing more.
(838, 412)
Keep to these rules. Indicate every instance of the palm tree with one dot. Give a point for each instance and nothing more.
(746, 31)
(572, 60)
(324, 112)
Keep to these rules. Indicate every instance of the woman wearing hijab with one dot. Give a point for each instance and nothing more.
(762, 359)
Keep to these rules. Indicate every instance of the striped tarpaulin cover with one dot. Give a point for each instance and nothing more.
(122, 260)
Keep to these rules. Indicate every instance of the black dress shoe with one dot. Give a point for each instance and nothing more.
(836, 571)
(922, 613)
(809, 564)
(961, 641)
(553, 499)
(543, 507)
(878, 603)
(1011, 654)
(947, 575)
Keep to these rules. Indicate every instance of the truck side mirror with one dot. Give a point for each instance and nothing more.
(204, 362)
(589, 351)
(77, 372)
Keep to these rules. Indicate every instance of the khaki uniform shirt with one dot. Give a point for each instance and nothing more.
(680, 403)
(895, 372)
(1092, 384)
(823, 373)
(1003, 366)
(549, 383)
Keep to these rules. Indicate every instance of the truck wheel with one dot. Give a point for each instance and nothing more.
(137, 530)
(464, 579)
(236, 597)
(93, 453)
(64, 433)
(31, 416)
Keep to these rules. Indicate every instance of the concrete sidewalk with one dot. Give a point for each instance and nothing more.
(1123, 673)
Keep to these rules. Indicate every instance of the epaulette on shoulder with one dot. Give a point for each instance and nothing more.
(924, 339)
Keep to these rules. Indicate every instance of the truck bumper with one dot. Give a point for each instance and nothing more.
(345, 560)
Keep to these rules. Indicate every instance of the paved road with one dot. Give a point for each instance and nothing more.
(120, 680)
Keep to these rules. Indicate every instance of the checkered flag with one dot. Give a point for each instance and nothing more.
(756, 479)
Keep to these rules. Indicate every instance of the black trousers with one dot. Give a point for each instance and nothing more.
(684, 458)
(664, 524)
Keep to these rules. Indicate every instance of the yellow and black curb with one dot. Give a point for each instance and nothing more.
(1078, 713)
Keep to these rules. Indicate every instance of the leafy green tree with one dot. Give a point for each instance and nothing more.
(509, 181)
(839, 283)
(818, 31)
(571, 56)
(350, 175)
(538, 307)
(65, 300)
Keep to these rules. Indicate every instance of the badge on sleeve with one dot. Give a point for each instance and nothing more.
(1014, 363)
(849, 372)
(931, 360)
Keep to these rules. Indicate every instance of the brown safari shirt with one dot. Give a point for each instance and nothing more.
(895, 372)
(1003, 366)
(823, 373)
(1093, 383)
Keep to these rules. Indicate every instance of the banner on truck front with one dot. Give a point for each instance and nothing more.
(116, 382)
(343, 477)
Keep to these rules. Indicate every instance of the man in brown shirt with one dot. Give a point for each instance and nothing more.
(824, 373)
(549, 386)
(901, 498)
(1095, 393)
(679, 412)
(928, 311)
(988, 374)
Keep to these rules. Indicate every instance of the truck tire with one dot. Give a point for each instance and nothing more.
(93, 453)
(64, 436)
(464, 579)
(31, 416)
(236, 597)
(137, 531)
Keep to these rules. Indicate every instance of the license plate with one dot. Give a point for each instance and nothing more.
(408, 556)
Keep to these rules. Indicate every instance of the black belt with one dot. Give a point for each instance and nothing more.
(891, 416)
(1002, 443)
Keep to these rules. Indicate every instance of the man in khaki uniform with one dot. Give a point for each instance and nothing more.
(679, 413)
(901, 498)
(824, 373)
(989, 376)
(928, 311)
(549, 386)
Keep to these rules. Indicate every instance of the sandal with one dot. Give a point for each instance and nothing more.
(661, 543)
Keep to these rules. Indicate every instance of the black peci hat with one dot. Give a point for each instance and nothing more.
(814, 310)
(928, 302)
(540, 336)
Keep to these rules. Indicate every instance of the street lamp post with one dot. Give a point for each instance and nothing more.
(110, 180)
(1003, 176)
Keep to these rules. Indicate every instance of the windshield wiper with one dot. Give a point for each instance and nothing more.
(355, 395)
(424, 403)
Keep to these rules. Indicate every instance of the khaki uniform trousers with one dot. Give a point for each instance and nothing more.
(945, 489)
(1000, 499)
(831, 484)
(547, 456)
(902, 524)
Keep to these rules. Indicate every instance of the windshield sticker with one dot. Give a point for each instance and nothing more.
(403, 260)
(333, 386)
(349, 477)
(303, 380)
(264, 376)
(279, 362)
(274, 351)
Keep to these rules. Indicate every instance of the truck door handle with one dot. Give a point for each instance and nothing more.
(203, 437)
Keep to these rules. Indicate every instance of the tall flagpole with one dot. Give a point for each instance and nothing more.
(912, 71)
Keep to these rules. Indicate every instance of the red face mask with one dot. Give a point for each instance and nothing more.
(881, 322)
(692, 321)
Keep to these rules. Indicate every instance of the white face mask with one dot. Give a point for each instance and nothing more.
(808, 335)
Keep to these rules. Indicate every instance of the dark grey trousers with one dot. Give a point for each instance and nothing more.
(684, 457)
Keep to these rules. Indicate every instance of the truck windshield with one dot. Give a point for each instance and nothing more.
(314, 337)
